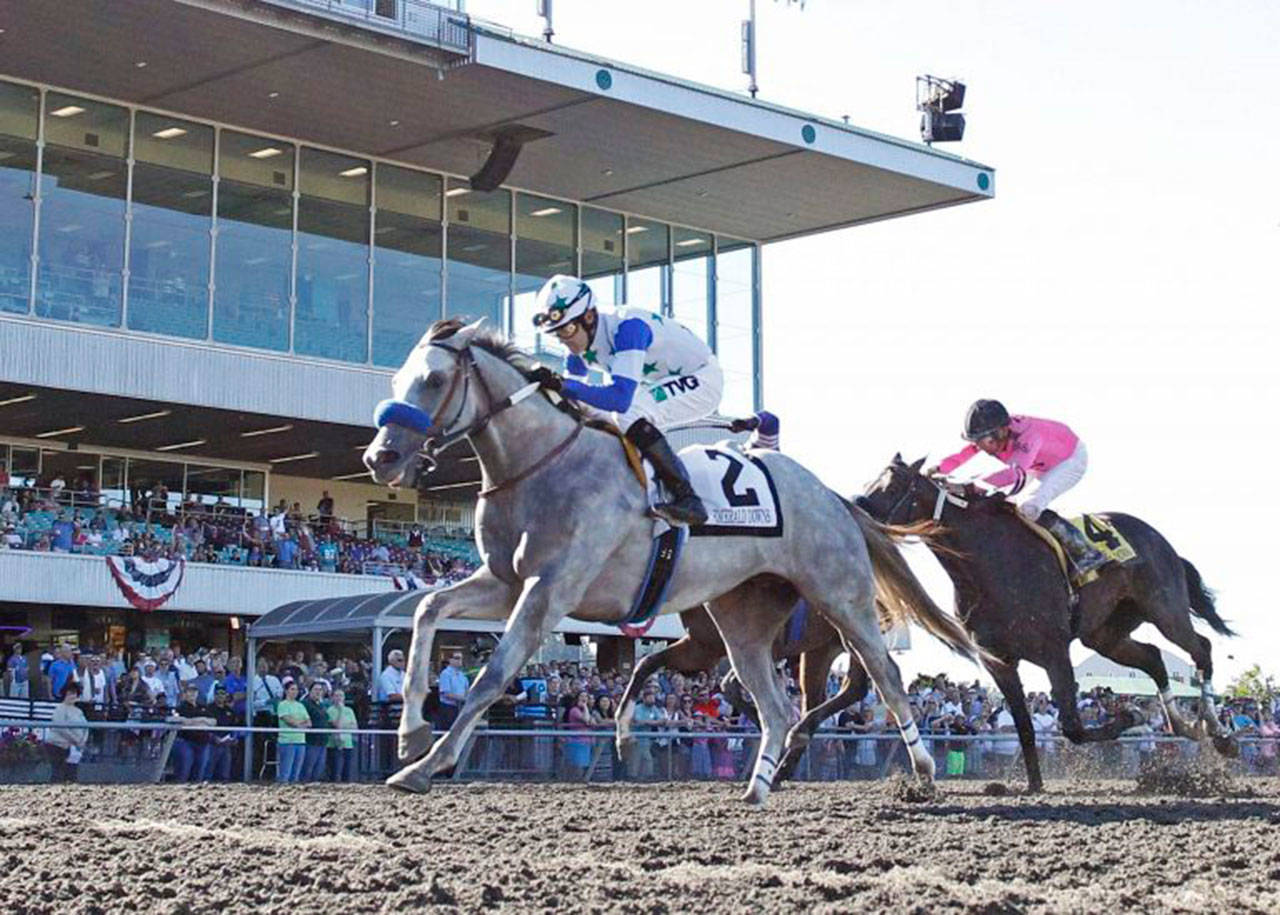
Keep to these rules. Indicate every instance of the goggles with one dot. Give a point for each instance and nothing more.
(551, 318)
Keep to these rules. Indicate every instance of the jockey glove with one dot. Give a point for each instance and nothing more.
(547, 378)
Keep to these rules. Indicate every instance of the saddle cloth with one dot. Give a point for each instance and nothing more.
(737, 490)
(1100, 532)
(740, 499)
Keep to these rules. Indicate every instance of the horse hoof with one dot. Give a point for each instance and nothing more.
(755, 799)
(414, 744)
(1227, 747)
(409, 781)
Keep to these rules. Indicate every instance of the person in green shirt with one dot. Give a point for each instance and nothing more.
(313, 768)
(342, 747)
(291, 743)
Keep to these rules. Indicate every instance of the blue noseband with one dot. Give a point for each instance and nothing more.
(400, 413)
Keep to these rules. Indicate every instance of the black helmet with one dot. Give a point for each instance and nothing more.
(984, 418)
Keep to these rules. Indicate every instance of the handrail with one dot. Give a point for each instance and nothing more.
(599, 733)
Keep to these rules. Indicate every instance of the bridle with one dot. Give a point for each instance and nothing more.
(414, 417)
(944, 496)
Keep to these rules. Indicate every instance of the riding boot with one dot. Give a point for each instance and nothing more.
(1084, 558)
(685, 507)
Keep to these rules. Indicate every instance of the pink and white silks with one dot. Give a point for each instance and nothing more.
(1041, 450)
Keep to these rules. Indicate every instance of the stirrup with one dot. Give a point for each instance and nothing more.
(688, 510)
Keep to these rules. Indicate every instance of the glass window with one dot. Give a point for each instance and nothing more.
(206, 485)
(172, 213)
(114, 491)
(602, 265)
(19, 113)
(406, 268)
(479, 268)
(735, 333)
(691, 279)
(254, 256)
(647, 252)
(82, 190)
(24, 466)
(546, 244)
(332, 317)
(155, 487)
(254, 490)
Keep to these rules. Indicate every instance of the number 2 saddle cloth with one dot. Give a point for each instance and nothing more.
(1100, 532)
(741, 501)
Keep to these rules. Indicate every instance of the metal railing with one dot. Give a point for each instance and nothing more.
(142, 750)
(441, 24)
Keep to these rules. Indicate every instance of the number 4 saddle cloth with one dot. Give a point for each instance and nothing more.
(1100, 532)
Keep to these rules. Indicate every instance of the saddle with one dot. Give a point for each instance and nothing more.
(1099, 531)
(629, 451)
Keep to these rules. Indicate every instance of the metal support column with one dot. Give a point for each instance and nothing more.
(248, 708)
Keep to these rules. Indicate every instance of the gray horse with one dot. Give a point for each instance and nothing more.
(563, 530)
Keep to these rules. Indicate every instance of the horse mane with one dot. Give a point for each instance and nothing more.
(496, 344)
(492, 342)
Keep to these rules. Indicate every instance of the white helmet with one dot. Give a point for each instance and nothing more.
(561, 300)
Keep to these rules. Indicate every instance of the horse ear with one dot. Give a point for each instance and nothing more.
(916, 465)
(897, 460)
(464, 335)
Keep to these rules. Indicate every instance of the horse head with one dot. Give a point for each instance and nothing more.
(433, 396)
(901, 494)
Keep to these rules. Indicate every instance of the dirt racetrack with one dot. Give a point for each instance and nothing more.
(1082, 847)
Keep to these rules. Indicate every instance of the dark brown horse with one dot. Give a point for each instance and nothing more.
(1014, 599)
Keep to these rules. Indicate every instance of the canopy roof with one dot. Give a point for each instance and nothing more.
(340, 619)
(606, 132)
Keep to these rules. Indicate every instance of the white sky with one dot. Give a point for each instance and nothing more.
(1124, 280)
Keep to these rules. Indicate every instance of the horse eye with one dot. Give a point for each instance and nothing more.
(434, 381)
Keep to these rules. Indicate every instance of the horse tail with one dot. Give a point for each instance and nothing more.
(900, 592)
(1202, 600)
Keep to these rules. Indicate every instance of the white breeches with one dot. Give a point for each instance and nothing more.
(1055, 482)
(672, 400)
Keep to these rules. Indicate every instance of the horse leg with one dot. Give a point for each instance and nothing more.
(539, 608)
(1010, 686)
(1113, 640)
(739, 698)
(1062, 680)
(482, 596)
(748, 632)
(1174, 623)
(688, 654)
(815, 664)
(858, 623)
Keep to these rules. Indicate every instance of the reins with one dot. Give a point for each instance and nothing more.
(467, 365)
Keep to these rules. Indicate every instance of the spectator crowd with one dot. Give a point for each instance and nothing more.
(686, 727)
(59, 519)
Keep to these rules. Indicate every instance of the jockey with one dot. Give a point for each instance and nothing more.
(660, 374)
(1045, 451)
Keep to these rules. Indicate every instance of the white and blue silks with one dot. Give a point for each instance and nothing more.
(658, 370)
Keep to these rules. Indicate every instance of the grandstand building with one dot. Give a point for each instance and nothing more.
(223, 223)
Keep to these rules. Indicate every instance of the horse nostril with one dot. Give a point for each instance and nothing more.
(387, 456)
